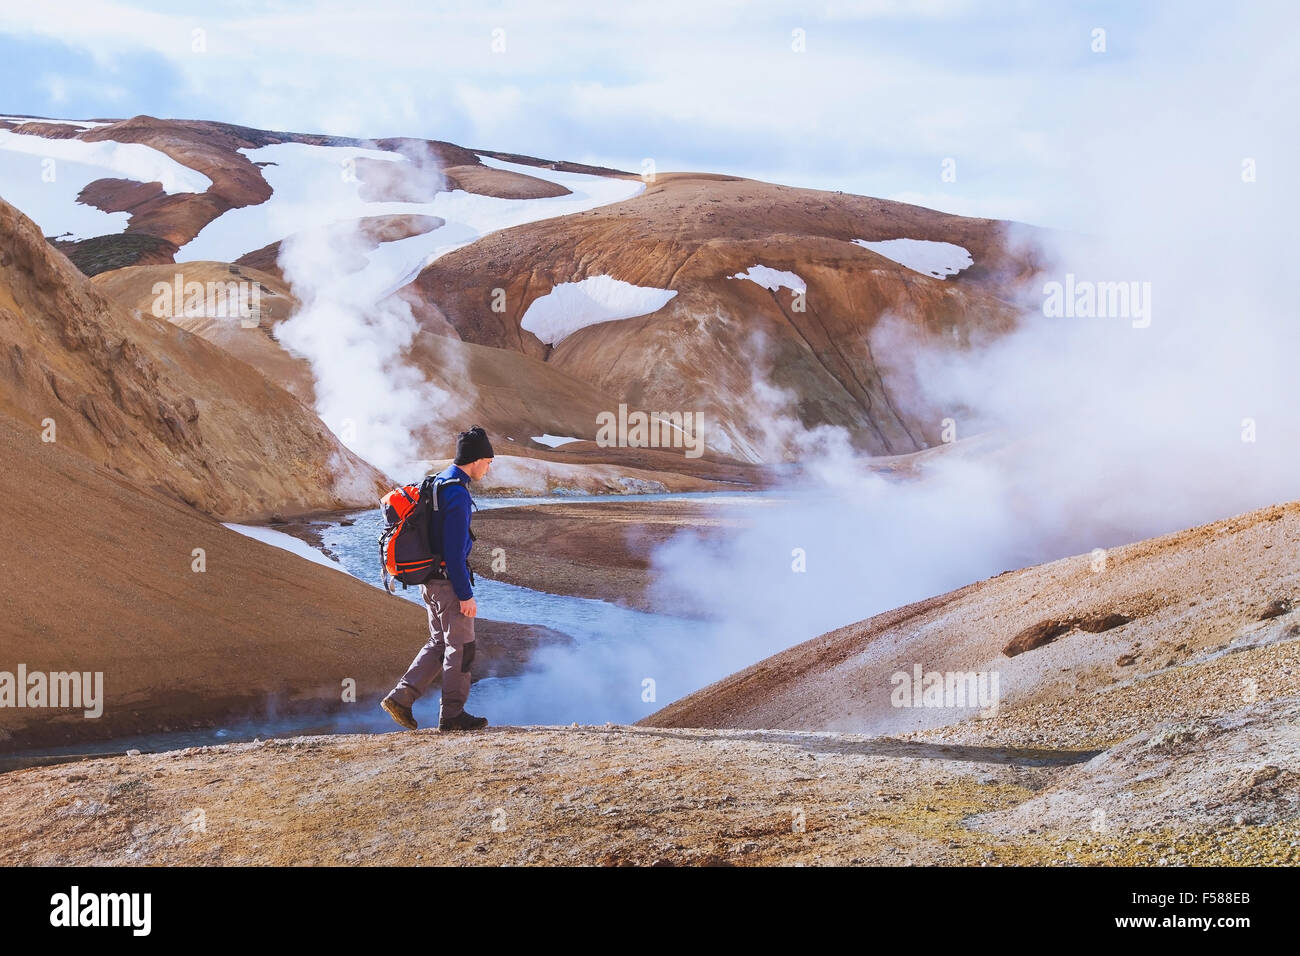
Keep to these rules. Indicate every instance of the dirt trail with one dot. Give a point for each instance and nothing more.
(581, 795)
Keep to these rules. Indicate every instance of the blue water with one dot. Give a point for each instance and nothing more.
(485, 504)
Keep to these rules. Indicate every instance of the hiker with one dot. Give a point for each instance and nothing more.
(449, 596)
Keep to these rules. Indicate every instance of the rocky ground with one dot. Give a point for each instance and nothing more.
(616, 795)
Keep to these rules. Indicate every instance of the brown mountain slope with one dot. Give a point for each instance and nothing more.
(155, 403)
(133, 287)
(100, 576)
(1200, 767)
(691, 232)
(513, 396)
(210, 149)
(1193, 623)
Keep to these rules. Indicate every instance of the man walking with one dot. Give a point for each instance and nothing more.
(449, 596)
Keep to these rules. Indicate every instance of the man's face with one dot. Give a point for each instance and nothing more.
(477, 469)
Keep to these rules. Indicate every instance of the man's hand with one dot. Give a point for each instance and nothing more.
(469, 608)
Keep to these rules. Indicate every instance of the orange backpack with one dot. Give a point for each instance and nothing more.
(410, 546)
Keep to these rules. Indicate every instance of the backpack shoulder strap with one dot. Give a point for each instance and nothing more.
(438, 484)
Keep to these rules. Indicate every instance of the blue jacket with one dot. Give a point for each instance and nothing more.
(455, 502)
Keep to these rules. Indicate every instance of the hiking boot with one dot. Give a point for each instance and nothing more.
(463, 721)
(399, 712)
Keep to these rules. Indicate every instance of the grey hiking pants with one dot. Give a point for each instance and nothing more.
(449, 651)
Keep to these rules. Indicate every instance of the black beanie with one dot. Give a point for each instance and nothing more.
(472, 445)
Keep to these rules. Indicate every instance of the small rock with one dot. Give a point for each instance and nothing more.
(1276, 608)
(1264, 774)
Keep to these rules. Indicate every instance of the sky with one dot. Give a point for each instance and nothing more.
(974, 108)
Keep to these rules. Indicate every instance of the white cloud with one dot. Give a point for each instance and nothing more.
(1020, 208)
(886, 89)
(57, 88)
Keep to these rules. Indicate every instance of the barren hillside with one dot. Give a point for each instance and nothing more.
(1087, 650)
(161, 406)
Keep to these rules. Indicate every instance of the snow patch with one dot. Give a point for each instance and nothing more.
(773, 279)
(312, 189)
(571, 306)
(554, 441)
(285, 542)
(79, 124)
(936, 259)
(117, 160)
(43, 178)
